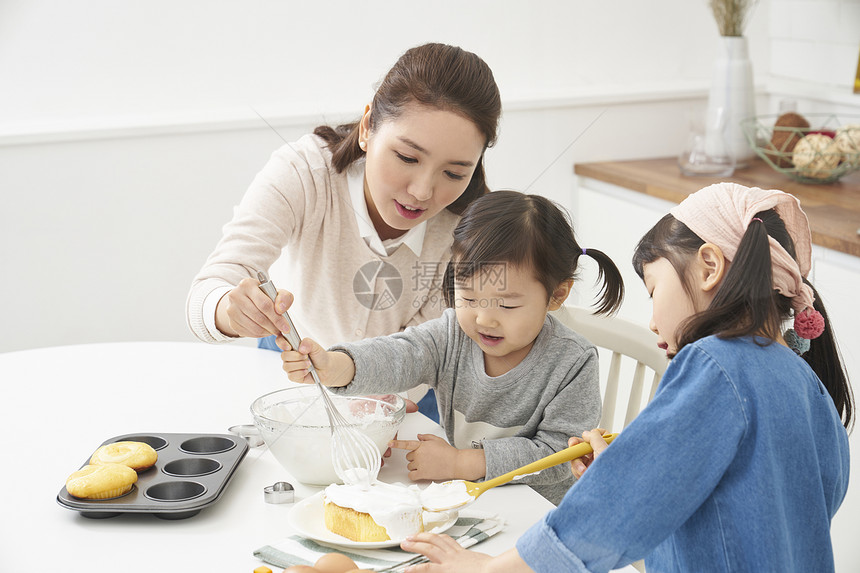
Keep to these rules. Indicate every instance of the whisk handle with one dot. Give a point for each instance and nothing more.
(268, 287)
(292, 336)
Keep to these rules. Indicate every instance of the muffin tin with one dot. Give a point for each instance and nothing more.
(191, 473)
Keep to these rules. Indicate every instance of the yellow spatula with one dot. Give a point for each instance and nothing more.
(455, 494)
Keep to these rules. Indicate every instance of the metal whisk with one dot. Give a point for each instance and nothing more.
(351, 450)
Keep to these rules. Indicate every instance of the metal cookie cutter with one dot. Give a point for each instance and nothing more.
(280, 492)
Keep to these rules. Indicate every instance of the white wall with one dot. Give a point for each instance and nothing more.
(131, 128)
(815, 40)
(99, 238)
(87, 60)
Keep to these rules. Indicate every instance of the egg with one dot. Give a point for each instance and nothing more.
(334, 563)
(301, 569)
(360, 571)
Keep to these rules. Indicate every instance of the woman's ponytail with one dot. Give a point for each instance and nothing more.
(343, 142)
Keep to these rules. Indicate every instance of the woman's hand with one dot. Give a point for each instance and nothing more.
(598, 444)
(431, 457)
(248, 311)
(446, 556)
(333, 368)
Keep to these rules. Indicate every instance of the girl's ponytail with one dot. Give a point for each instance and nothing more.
(824, 358)
(745, 304)
(612, 290)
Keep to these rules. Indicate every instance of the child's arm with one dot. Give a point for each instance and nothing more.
(392, 363)
(333, 368)
(431, 457)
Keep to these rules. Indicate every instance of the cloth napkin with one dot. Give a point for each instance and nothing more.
(471, 528)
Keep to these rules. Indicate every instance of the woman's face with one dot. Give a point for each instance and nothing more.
(417, 165)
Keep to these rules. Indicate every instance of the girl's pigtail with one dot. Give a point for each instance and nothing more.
(612, 290)
(824, 358)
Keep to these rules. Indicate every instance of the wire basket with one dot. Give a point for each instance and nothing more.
(817, 160)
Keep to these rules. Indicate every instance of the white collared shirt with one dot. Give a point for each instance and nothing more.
(413, 238)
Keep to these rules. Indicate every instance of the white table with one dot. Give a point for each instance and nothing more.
(60, 403)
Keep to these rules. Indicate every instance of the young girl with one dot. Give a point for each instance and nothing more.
(356, 212)
(512, 383)
(741, 460)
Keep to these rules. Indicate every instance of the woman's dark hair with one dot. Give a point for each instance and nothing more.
(436, 75)
(746, 303)
(527, 231)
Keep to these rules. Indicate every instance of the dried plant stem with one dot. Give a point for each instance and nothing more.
(731, 15)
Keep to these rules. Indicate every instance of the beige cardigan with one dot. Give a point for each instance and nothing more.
(296, 220)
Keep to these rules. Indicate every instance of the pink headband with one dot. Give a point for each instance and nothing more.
(720, 214)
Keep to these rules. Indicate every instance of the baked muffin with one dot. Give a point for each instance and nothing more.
(102, 481)
(136, 455)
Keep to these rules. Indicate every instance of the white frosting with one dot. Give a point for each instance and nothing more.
(358, 476)
(395, 507)
(445, 495)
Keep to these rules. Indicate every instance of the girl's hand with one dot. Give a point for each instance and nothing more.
(431, 457)
(410, 407)
(598, 444)
(445, 555)
(248, 311)
(333, 368)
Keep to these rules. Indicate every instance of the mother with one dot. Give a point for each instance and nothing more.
(357, 220)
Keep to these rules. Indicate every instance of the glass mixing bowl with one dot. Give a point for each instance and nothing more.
(294, 425)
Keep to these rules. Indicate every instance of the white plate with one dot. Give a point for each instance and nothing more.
(307, 518)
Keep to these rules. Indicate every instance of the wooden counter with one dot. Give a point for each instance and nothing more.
(833, 210)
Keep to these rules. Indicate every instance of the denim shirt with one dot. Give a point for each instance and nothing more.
(738, 464)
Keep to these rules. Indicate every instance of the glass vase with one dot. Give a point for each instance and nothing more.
(707, 150)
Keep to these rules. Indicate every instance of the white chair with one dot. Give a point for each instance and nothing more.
(625, 346)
